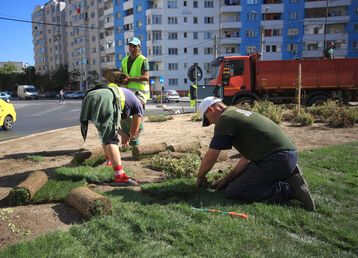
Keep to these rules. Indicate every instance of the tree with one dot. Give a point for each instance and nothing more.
(60, 78)
(8, 69)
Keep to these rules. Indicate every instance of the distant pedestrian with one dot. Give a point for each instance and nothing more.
(61, 97)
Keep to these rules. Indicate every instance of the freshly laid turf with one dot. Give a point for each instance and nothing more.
(160, 221)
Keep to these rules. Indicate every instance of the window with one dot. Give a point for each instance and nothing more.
(173, 66)
(185, 50)
(139, 8)
(157, 19)
(355, 45)
(185, 34)
(251, 33)
(356, 27)
(139, 24)
(272, 48)
(292, 48)
(173, 20)
(293, 15)
(207, 35)
(208, 20)
(272, 32)
(172, 4)
(173, 81)
(251, 49)
(172, 51)
(195, 4)
(185, 3)
(208, 51)
(157, 35)
(195, 20)
(185, 19)
(157, 50)
(292, 32)
(251, 16)
(195, 51)
(173, 35)
(252, 1)
(209, 4)
(293, 1)
(195, 35)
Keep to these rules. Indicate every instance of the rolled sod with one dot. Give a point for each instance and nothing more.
(89, 157)
(88, 202)
(26, 190)
(141, 151)
(192, 147)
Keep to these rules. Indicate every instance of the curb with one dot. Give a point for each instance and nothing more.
(35, 135)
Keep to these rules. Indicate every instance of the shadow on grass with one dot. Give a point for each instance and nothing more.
(42, 154)
(173, 191)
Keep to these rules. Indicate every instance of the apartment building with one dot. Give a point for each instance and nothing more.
(286, 29)
(175, 34)
(49, 40)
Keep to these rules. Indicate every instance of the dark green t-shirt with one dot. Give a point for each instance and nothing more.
(252, 134)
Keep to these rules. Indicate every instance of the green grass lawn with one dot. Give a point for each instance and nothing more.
(160, 222)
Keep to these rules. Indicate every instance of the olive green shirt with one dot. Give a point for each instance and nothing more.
(253, 135)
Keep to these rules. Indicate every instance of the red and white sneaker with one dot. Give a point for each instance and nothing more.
(108, 163)
(123, 180)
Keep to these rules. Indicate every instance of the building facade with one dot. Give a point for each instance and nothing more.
(176, 34)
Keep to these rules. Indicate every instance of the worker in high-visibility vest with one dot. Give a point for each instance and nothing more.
(193, 94)
(106, 105)
(135, 69)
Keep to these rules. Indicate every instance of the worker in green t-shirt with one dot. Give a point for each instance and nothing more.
(267, 169)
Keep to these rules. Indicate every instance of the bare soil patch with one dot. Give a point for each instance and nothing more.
(58, 147)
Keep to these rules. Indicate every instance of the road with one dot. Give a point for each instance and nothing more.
(35, 116)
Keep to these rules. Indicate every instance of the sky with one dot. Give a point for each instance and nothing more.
(16, 37)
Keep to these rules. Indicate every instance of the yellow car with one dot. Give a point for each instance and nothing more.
(7, 115)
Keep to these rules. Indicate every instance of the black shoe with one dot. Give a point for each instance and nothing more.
(300, 189)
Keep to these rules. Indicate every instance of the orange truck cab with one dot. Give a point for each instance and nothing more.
(244, 79)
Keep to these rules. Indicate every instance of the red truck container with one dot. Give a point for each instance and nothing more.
(242, 79)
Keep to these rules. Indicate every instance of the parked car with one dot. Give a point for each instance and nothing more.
(5, 96)
(171, 96)
(75, 95)
(7, 115)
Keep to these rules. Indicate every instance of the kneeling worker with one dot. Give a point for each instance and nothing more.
(267, 169)
(105, 105)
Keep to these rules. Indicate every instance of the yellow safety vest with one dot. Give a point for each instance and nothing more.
(119, 94)
(136, 70)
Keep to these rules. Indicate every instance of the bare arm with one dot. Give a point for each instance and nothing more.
(206, 164)
(143, 77)
(134, 131)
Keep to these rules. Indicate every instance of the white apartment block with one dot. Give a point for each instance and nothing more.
(179, 34)
(49, 40)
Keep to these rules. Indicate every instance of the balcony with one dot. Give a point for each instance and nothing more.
(154, 11)
(108, 11)
(272, 8)
(272, 23)
(319, 4)
(230, 9)
(128, 5)
(128, 19)
(109, 24)
(230, 41)
(109, 65)
(230, 25)
(109, 50)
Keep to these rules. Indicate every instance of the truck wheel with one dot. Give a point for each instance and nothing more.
(317, 100)
(8, 123)
(244, 101)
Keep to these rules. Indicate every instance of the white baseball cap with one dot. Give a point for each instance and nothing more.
(204, 105)
(134, 41)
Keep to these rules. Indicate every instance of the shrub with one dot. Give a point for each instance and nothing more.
(303, 118)
(176, 168)
(323, 112)
(269, 109)
(159, 118)
(196, 117)
(342, 118)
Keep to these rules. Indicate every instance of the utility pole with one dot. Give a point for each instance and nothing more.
(299, 87)
(324, 29)
(262, 42)
(215, 47)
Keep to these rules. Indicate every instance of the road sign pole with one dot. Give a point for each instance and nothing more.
(196, 90)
